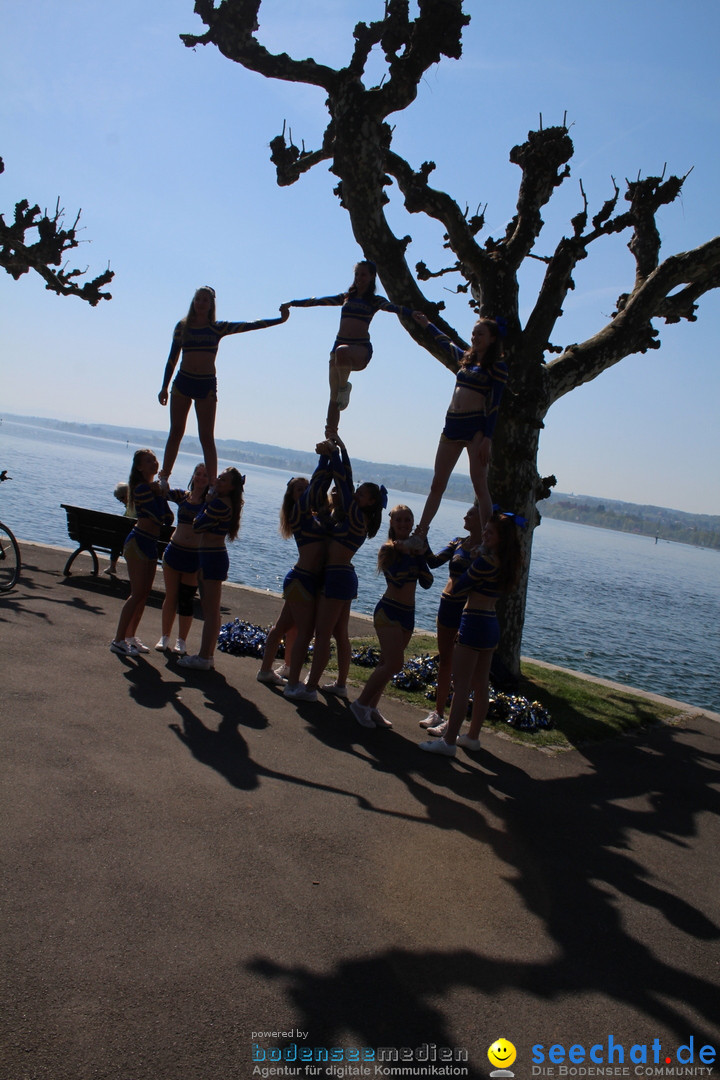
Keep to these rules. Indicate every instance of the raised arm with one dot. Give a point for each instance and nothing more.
(320, 301)
(442, 339)
(225, 328)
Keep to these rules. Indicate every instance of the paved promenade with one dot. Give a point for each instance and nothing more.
(193, 865)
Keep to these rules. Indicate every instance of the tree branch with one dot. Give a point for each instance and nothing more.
(18, 257)
(631, 329)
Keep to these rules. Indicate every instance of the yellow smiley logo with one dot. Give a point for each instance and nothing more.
(502, 1054)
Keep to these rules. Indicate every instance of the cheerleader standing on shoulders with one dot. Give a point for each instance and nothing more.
(352, 350)
(219, 519)
(180, 563)
(394, 616)
(493, 572)
(361, 513)
(302, 583)
(459, 553)
(197, 337)
(150, 507)
(471, 417)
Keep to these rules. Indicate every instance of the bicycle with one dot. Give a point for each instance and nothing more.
(10, 562)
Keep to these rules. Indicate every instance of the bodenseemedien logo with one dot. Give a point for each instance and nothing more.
(502, 1054)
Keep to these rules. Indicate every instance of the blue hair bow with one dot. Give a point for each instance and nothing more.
(520, 521)
(383, 496)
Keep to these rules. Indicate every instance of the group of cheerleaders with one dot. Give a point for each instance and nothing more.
(330, 518)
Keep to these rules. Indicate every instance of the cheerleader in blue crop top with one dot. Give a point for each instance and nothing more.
(356, 517)
(148, 505)
(218, 520)
(394, 616)
(493, 571)
(299, 520)
(352, 350)
(472, 415)
(197, 338)
(458, 554)
(181, 563)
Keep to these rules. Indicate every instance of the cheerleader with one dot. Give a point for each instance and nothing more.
(180, 563)
(394, 617)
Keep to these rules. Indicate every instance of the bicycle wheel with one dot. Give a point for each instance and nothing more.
(9, 559)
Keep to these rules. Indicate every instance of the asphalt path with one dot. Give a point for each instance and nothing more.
(197, 871)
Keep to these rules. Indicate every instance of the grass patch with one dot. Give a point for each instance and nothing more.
(581, 711)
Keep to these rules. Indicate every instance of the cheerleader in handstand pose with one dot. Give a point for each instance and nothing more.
(352, 350)
(493, 572)
(180, 563)
(394, 616)
(219, 519)
(459, 553)
(361, 515)
(471, 417)
(296, 622)
(197, 337)
(146, 503)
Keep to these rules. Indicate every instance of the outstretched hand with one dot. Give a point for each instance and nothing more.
(285, 312)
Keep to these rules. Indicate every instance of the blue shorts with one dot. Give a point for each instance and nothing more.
(393, 613)
(479, 629)
(214, 563)
(462, 427)
(353, 341)
(184, 560)
(140, 545)
(450, 612)
(340, 582)
(300, 586)
(194, 386)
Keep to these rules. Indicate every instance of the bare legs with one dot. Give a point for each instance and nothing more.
(393, 642)
(470, 671)
(205, 409)
(445, 642)
(141, 572)
(446, 458)
(210, 595)
(343, 360)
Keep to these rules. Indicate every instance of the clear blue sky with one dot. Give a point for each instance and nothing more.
(166, 151)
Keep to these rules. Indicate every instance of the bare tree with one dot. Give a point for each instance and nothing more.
(357, 143)
(48, 250)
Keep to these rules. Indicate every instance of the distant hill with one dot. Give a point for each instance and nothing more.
(702, 530)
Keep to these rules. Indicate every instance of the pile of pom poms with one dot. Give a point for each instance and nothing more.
(419, 673)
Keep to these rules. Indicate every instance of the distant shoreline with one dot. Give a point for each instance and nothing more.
(663, 523)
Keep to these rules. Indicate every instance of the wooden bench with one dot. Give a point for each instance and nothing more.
(95, 530)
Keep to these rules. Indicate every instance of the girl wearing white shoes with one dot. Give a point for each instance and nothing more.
(150, 507)
(181, 561)
(218, 520)
(459, 553)
(493, 572)
(394, 617)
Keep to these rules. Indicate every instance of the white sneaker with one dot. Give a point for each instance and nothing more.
(283, 671)
(438, 746)
(302, 692)
(138, 644)
(180, 647)
(198, 662)
(439, 730)
(162, 644)
(123, 648)
(342, 399)
(362, 715)
(431, 721)
(380, 720)
(336, 689)
(269, 677)
(468, 743)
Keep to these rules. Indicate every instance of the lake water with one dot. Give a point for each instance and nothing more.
(611, 604)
